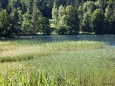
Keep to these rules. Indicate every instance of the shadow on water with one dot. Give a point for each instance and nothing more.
(109, 39)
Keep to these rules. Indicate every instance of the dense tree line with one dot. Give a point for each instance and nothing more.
(96, 16)
(22, 17)
(69, 16)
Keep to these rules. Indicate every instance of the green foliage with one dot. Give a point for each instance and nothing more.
(15, 23)
(55, 14)
(86, 22)
(72, 20)
(3, 3)
(96, 17)
(9, 23)
(98, 21)
(27, 24)
(66, 20)
(63, 30)
(69, 16)
(85, 16)
(44, 26)
(35, 18)
(4, 23)
(45, 7)
(110, 19)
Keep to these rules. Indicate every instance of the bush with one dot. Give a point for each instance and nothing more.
(63, 30)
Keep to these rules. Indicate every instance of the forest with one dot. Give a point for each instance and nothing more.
(63, 17)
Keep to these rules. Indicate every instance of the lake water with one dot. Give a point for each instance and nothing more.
(109, 39)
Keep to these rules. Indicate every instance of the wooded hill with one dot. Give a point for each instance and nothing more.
(68, 17)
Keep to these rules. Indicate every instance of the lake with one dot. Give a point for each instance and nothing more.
(109, 39)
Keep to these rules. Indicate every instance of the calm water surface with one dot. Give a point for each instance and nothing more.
(109, 39)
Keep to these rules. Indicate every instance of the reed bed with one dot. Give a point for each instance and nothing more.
(82, 63)
(71, 46)
(12, 51)
(16, 52)
(18, 76)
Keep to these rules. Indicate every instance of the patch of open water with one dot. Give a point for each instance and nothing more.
(109, 39)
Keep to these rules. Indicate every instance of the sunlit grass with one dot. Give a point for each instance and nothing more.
(71, 46)
(67, 63)
(12, 51)
(18, 75)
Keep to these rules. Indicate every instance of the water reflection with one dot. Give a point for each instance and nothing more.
(109, 39)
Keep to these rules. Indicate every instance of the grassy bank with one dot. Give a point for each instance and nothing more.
(14, 51)
(82, 63)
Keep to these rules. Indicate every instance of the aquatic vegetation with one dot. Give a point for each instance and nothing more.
(67, 63)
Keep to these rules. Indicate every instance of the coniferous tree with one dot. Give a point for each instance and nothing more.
(61, 13)
(35, 17)
(98, 21)
(72, 20)
(86, 22)
(108, 16)
(14, 23)
(113, 19)
(55, 14)
(3, 3)
(26, 25)
(44, 26)
(62, 27)
(4, 23)
(85, 13)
